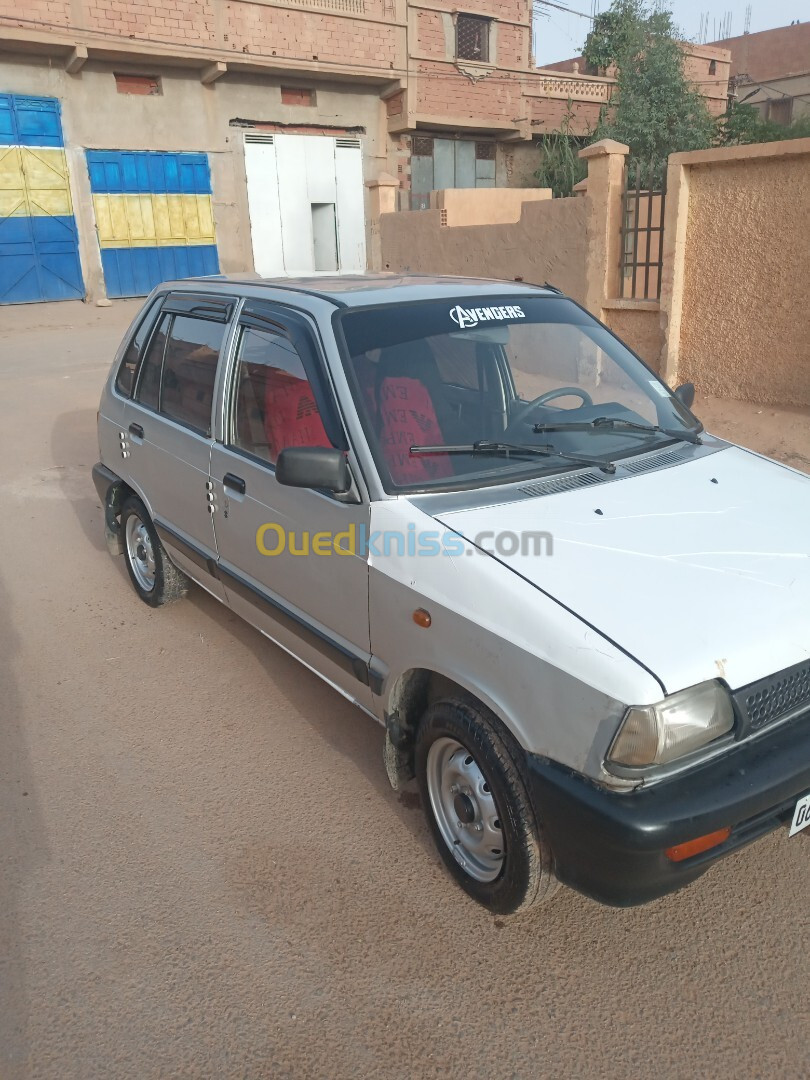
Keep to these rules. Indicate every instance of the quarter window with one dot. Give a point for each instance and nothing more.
(125, 379)
(148, 392)
(274, 405)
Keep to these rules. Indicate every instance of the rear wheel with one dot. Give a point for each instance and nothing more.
(478, 809)
(155, 577)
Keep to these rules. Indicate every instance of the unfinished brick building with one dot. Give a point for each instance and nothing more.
(142, 139)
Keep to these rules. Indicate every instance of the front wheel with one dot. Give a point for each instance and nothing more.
(478, 809)
(156, 579)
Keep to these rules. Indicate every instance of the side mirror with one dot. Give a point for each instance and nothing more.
(686, 394)
(314, 467)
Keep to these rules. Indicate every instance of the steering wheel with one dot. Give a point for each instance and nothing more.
(550, 395)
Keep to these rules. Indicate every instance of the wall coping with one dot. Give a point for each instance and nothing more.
(383, 180)
(603, 148)
(628, 304)
(785, 148)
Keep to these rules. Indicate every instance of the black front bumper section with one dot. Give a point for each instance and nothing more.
(612, 846)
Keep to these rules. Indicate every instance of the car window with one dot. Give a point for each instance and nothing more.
(148, 390)
(274, 406)
(189, 371)
(125, 378)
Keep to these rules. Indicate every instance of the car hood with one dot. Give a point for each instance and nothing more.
(699, 571)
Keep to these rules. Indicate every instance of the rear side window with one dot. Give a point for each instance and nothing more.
(125, 379)
(189, 371)
(179, 370)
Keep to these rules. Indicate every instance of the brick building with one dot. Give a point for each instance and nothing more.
(141, 139)
(771, 71)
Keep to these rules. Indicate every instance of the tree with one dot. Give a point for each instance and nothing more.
(655, 110)
(560, 166)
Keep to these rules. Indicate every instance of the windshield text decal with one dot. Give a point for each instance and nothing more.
(466, 317)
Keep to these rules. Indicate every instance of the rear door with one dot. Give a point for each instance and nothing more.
(277, 544)
(168, 429)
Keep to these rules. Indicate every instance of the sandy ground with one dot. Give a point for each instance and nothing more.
(205, 873)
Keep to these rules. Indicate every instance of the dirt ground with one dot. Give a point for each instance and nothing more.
(205, 873)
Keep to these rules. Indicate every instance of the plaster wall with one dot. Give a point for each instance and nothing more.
(548, 243)
(745, 317)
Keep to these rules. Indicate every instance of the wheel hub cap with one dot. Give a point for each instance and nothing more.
(140, 553)
(465, 810)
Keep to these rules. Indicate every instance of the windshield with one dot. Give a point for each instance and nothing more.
(537, 373)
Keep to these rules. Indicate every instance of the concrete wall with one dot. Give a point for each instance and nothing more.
(638, 323)
(737, 264)
(548, 243)
(485, 206)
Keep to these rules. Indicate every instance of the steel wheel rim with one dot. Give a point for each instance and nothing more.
(140, 553)
(464, 810)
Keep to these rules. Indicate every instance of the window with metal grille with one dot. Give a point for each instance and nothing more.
(472, 38)
(781, 111)
(422, 146)
(147, 85)
(485, 151)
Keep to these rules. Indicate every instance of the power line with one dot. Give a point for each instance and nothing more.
(562, 7)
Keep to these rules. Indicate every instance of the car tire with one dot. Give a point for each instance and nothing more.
(154, 576)
(478, 809)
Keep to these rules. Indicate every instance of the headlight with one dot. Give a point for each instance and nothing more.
(681, 723)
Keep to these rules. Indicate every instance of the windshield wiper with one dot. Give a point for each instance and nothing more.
(485, 447)
(611, 423)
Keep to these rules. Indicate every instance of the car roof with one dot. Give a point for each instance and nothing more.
(364, 290)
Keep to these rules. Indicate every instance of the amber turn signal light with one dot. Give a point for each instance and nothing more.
(695, 847)
(422, 617)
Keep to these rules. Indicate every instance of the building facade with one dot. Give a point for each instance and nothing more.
(145, 139)
(771, 71)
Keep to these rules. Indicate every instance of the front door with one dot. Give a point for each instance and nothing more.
(276, 544)
(168, 429)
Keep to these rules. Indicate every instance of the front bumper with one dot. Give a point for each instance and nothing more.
(612, 846)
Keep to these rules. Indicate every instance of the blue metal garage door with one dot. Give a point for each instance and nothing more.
(39, 245)
(154, 217)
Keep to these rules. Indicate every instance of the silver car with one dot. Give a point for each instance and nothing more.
(467, 506)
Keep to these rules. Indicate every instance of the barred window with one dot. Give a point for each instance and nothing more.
(485, 151)
(472, 38)
(422, 146)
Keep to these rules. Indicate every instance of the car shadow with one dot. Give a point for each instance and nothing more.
(75, 451)
(24, 850)
(344, 727)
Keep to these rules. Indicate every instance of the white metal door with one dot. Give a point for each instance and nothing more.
(299, 188)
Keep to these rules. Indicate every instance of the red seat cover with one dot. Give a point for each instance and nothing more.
(408, 419)
(291, 417)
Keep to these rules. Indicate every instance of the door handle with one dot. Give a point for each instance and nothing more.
(235, 483)
(136, 430)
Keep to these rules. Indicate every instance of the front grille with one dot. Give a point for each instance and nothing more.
(776, 697)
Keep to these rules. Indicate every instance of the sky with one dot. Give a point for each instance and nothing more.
(559, 35)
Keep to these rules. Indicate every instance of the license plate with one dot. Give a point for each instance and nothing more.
(801, 816)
